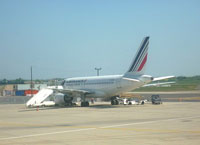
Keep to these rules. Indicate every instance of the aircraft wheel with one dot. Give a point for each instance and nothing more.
(116, 102)
(70, 104)
(84, 104)
(112, 102)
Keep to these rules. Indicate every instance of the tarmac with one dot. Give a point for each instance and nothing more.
(101, 124)
(178, 96)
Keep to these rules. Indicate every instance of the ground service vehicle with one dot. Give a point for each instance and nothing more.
(155, 99)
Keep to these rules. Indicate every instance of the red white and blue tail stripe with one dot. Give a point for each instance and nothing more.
(138, 64)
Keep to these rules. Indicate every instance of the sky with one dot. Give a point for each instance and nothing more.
(69, 38)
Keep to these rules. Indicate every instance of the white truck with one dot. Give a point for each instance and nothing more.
(131, 101)
(123, 101)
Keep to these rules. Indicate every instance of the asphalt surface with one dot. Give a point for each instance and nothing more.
(189, 96)
(14, 99)
(101, 124)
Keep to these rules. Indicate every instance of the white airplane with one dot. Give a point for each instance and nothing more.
(107, 86)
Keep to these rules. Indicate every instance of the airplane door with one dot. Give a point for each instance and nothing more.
(118, 83)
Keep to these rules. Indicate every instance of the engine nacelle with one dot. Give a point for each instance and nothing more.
(62, 99)
(68, 98)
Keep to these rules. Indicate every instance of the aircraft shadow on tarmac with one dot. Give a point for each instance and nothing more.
(98, 106)
(104, 106)
(41, 108)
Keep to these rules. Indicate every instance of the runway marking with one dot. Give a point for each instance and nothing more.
(147, 122)
(155, 130)
(43, 134)
(95, 128)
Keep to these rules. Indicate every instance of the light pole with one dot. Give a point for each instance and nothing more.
(31, 83)
(98, 69)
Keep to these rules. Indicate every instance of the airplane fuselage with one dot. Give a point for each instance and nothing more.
(100, 86)
(103, 86)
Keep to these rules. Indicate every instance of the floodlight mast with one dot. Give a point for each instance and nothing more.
(31, 83)
(98, 69)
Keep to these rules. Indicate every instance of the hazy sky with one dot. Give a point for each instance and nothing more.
(70, 38)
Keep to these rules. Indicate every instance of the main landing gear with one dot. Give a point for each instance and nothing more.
(68, 100)
(114, 100)
(85, 104)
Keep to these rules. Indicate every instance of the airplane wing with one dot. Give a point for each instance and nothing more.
(60, 89)
(72, 91)
(162, 78)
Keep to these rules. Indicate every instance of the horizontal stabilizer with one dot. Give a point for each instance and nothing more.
(158, 84)
(163, 78)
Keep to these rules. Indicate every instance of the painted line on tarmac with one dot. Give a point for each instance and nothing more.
(155, 130)
(147, 122)
(95, 128)
(43, 134)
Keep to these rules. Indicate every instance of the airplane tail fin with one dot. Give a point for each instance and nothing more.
(138, 65)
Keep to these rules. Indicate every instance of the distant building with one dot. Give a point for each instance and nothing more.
(22, 89)
(9, 90)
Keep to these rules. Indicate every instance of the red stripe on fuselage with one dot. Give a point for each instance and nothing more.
(143, 63)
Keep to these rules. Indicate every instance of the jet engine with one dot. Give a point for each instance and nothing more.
(62, 99)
